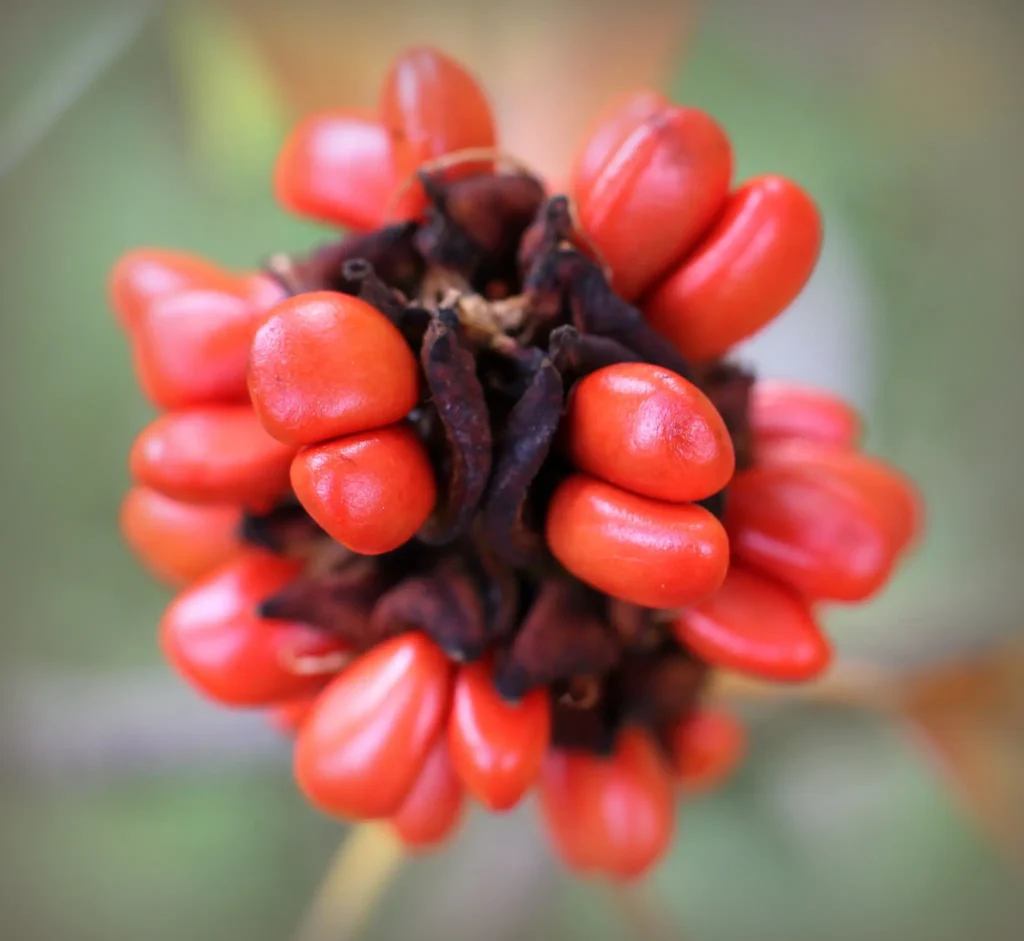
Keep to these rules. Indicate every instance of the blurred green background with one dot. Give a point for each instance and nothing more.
(132, 811)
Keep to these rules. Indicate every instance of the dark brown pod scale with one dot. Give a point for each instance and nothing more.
(391, 252)
(590, 726)
(562, 636)
(445, 604)
(458, 400)
(475, 225)
(506, 306)
(656, 686)
(526, 440)
(500, 588)
(576, 355)
(287, 529)
(728, 386)
(338, 599)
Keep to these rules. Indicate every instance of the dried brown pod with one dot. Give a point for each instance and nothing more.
(562, 636)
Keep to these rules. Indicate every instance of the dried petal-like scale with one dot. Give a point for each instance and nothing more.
(457, 397)
(286, 529)
(576, 355)
(562, 636)
(475, 225)
(659, 686)
(445, 605)
(528, 434)
(391, 252)
(339, 601)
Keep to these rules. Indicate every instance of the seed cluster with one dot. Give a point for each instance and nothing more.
(499, 297)
(470, 500)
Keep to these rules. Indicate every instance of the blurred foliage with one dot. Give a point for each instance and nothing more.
(837, 827)
(163, 859)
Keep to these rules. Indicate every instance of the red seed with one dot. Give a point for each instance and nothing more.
(371, 492)
(336, 167)
(649, 431)
(810, 529)
(191, 348)
(891, 493)
(325, 365)
(754, 624)
(609, 130)
(431, 106)
(613, 815)
(433, 809)
(215, 639)
(745, 272)
(706, 747)
(179, 542)
(143, 275)
(656, 193)
(789, 411)
(363, 747)
(658, 555)
(496, 746)
(212, 454)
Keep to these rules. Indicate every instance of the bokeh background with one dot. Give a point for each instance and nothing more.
(888, 803)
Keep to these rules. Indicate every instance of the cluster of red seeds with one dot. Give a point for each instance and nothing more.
(293, 482)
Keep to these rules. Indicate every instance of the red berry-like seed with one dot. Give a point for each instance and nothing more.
(496, 745)
(788, 411)
(655, 195)
(179, 542)
(212, 454)
(325, 365)
(892, 495)
(364, 745)
(746, 271)
(648, 430)
(706, 747)
(754, 624)
(215, 639)
(433, 808)
(609, 130)
(192, 347)
(812, 530)
(143, 275)
(614, 814)
(658, 555)
(336, 167)
(371, 492)
(431, 106)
